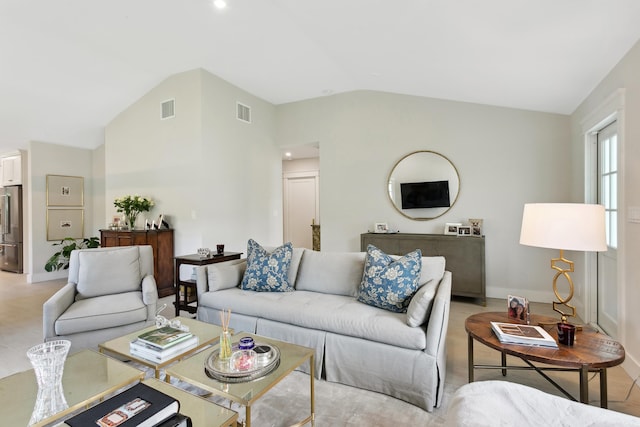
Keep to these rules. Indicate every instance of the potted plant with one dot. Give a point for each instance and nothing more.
(60, 260)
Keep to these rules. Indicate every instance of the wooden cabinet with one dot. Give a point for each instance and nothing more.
(162, 243)
(11, 170)
(464, 256)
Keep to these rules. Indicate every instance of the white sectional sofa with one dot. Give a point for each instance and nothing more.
(356, 344)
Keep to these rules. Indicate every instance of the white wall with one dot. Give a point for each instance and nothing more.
(623, 76)
(505, 158)
(52, 159)
(215, 178)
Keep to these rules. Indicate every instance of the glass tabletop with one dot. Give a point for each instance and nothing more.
(207, 334)
(192, 371)
(88, 376)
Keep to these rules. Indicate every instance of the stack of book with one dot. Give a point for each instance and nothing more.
(139, 406)
(513, 333)
(162, 344)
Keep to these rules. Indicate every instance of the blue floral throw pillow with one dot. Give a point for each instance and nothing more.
(267, 272)
(388, 283)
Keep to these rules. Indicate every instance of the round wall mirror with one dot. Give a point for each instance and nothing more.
(423, 185)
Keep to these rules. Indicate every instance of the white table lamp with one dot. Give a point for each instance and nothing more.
(564, 226)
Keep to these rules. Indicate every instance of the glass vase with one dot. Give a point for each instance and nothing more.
(131, 220)
(225, 345)
(48, 360)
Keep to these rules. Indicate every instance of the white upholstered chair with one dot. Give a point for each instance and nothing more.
(110, 292)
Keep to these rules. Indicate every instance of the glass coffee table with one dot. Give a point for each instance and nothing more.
(88, 376)
(246, 394)
(207, 335)
(201, 411)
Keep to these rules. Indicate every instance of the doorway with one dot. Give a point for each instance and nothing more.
(301, 195)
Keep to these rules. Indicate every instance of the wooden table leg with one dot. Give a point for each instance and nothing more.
(584, 384)
(470, 357)
(604, 400)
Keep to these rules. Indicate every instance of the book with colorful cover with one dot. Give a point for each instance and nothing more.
(513, 333)
(164, 337)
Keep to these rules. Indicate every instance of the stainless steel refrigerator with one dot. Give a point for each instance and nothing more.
(11, 228)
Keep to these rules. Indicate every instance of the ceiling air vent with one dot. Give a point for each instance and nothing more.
(243, 112)
(168, 109)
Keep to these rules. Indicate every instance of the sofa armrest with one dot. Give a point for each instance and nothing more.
(439, 319)
(150, 296)
(53, 308)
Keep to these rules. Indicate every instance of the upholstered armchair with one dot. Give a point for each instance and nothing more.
(110, 292)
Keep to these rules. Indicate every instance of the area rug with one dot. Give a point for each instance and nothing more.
(335, 405)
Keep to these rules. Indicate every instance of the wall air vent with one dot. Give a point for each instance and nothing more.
(168, 109)
(243, 112)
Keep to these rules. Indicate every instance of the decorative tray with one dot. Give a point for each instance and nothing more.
(265, 358)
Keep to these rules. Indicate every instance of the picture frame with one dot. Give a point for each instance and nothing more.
(464, 230)
(65, 190)
(518, 308)
(63, 223)
(451, 228)
(476, 227)
(381, 227)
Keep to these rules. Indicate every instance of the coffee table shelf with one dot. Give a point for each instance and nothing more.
(207, 334)
(292, 356)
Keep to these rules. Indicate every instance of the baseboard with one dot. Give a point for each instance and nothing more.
(535, 296)
(43, 277)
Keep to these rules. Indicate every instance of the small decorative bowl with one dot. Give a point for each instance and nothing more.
(204, 252)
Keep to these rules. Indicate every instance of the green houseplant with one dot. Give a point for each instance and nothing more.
(60, 260)
(132, 206)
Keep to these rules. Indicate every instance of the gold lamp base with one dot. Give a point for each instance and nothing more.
(563, 302)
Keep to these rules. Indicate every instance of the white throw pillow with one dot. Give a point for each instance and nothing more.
(419, 308)
(225, 275)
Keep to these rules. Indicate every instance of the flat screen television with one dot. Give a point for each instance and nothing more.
(418, 195)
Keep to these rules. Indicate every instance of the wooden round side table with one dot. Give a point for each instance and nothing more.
(591, 352)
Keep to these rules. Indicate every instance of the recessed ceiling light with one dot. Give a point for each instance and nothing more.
(220, 4)
(287, 154)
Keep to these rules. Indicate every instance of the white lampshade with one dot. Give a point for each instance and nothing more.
(566, 226)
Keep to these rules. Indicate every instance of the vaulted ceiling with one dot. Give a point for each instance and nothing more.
(68, 67)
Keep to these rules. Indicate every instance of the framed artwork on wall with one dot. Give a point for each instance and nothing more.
(62, 223)
(65, 190)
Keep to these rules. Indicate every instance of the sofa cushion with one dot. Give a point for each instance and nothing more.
(225, 275)
(325, 312)
(267, 272)
(338, 273)
(421, 302)
(108, 311)
(388, 283)
(108, 272)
